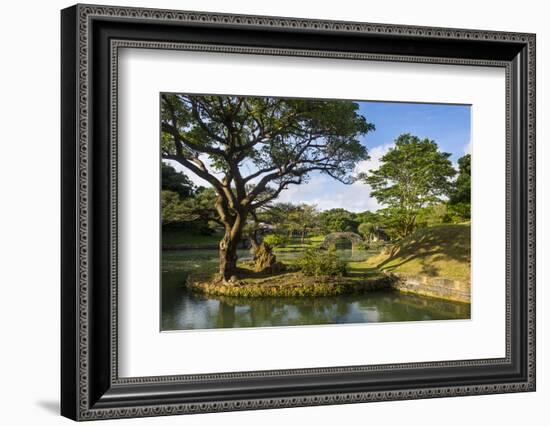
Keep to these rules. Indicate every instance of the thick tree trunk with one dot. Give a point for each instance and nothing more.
(230, 243)
(254, 243)
(228, 256)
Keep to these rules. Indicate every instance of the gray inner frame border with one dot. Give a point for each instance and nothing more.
(85, 14)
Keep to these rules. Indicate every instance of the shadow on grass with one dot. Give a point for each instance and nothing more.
(359, 270)
(445, 242)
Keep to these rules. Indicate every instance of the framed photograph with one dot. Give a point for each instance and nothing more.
(263, 212)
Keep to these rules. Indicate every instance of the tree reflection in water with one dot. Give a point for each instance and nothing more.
(182, 310)
(185, 310)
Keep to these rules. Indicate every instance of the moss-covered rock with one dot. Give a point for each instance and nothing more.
(264, 259)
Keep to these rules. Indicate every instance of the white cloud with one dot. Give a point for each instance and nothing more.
(468, 147)
(194, 178)
(321, 190)
(375, 154)
(328, 193)
(246, 168)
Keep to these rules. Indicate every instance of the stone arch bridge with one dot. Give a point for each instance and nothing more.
(333, 237)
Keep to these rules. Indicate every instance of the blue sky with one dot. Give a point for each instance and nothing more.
(448, 125)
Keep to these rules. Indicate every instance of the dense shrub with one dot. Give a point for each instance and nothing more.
(367, 230)
(438, 214)
(321, 263)
(435, 214)
(276, 240)
(459, 212)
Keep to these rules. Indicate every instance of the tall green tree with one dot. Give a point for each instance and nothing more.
(172, 180)
(276, 215)
(412, 175)
(175, 210)
(462, 190)
(367, 217)
(367, 231)
(337, 220)
(303, 219)
(204, 205)
(250, 149)
(459, 205)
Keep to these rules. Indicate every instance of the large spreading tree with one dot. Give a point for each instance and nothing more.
(412, 175)
(250, 149)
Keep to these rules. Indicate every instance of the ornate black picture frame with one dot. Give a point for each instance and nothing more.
(91, 37)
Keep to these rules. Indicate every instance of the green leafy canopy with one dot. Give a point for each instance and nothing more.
(279, 140)
(412, 175)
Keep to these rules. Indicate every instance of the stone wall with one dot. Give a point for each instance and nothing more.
(441, 288)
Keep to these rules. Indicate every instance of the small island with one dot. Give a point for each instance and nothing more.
(423, 264)
(233, 243)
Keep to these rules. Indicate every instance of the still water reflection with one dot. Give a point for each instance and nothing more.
(183, 310)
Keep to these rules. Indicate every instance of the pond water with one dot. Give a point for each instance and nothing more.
(184, 310)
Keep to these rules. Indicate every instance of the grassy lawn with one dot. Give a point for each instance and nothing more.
(172, 237)
(437, 251)
(362, 270)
